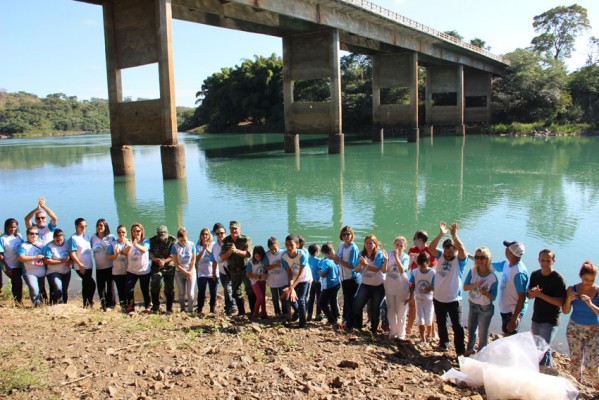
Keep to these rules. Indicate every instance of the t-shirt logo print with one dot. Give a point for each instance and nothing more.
(445, 268)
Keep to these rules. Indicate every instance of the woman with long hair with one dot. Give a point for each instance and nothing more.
(101, 241)
(372, 289)
(119, 263)
(10, 241)
(206, 270)
(138, 267)
(583, 328)
(481, 284)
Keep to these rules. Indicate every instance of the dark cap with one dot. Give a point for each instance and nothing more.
(234, 224)
(162, 231)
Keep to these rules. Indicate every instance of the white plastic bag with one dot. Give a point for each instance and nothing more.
(508, 368)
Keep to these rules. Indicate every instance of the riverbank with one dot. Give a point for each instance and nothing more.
(68, 352)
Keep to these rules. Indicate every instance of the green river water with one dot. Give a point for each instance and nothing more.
(542, 192)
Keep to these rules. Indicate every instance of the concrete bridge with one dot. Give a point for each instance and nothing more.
(458, 75)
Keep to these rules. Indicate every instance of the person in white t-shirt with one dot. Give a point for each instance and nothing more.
(139, 267)
(34, 274)
(45, 229)
(447, 294)
(81, 254)
(119, 264)
(58, 274)
(101, 241)
(10, 241)
(397, 288)
(183, 253)
(372, 289)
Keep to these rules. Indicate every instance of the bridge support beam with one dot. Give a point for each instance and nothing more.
(312, 59)
(445, 97)
(395, 95)
(136, 33)
(477, 93)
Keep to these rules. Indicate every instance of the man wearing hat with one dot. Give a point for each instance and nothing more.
(236, 251)
(513, 287)
(162, 268)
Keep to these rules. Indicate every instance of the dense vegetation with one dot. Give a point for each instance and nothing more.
(535, 93)
(25, 113)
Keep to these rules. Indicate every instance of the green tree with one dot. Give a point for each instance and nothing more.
(455, 34)
(356, 91)
(584, 89)
(250, 92)
(480, 43)
(558, 30)
(533, 89)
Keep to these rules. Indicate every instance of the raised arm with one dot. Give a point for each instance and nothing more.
(432, 247)
(53, 217)
(462, 254)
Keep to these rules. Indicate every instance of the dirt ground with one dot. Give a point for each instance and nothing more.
(66, 352)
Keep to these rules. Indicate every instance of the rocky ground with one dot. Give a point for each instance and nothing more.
(66, 352)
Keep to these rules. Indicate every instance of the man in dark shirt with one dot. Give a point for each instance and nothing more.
(163, 267)
(237, 251)
(548, 288)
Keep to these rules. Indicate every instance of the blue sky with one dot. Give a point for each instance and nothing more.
(57, 46)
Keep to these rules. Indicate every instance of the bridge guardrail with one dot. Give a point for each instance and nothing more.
(395, 17)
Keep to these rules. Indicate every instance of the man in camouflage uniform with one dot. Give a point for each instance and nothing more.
(237, 251)
(162, 268)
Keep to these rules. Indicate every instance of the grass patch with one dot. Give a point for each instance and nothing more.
(22, 378)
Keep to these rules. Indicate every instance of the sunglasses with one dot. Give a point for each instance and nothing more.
(39, 218)
(33, 233)
(480, 257)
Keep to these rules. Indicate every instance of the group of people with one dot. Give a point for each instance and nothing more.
(402, 288)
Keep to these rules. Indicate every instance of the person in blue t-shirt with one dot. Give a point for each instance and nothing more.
(372, 289)
(329, 271)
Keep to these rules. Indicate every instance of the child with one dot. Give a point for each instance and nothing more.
(329, 271)
(298, 275)
(397, 289)
(315, 288)
(420, 246)
(276, 277)
(422, 281)
(257, 275)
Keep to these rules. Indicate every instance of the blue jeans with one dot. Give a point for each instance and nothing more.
(36, 285)
(315, 290)
(212, 285)
(278, 301)
(301, 290)
(479, 319)
(59, 287)
(547, 332)
(374, 294)
(230, 305)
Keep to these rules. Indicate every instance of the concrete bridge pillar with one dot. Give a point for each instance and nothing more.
(136, 33)
(445, 97)
(312, 58)
(477, 94)
(395, 95)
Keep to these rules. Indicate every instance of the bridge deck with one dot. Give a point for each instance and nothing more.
(364, 27)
